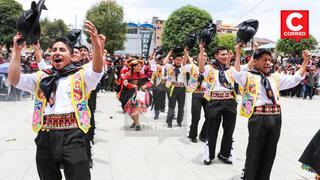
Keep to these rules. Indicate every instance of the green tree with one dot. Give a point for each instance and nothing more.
(51, 30)
(226, 40)
(182, 22)
(107, 16)
(10, 10)
(290, 46)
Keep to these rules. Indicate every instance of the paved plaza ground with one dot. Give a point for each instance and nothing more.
(156, 152)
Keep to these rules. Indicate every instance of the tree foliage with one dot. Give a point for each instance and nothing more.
(107, 16)
(290, 46)
(51, 30)
(10, 10)
(182, 22)
(226, 40)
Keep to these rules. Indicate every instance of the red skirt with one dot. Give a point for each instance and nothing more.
(138, 103)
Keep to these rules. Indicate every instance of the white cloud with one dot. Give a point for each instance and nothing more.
(268, 12)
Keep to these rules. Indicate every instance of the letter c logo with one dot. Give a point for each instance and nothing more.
(289, 21)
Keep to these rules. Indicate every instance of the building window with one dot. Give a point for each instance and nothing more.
(132, 31)
(229, 31)
(159, 27)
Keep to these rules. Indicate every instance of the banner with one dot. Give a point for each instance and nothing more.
(146, 37)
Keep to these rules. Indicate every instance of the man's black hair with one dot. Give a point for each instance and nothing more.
(82, 46)
(66, 42)
(218, 49)
(175, 55)
(260, 52)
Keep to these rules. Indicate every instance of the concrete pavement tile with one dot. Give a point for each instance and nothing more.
(14, 164)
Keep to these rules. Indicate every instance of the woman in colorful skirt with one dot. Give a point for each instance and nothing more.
(136, 97)
(310, 158)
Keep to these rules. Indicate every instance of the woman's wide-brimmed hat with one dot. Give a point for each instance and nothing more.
(132, 62)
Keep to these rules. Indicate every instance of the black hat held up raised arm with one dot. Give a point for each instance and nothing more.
(247, 30)
(208, 33)
(191, 40)
(28, 22)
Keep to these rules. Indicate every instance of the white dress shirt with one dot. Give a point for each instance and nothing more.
(42, 65)
(62, 105)
(154, 68)
(286, 82)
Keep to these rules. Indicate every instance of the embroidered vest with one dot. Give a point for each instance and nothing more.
(211, 80)
(157, 75)
(171, 76)
(79, 101)
(192, 83)
(250, 93)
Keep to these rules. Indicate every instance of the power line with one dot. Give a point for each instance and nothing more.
(254, 7)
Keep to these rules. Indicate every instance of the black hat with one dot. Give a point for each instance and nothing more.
(28, 23)
(191, 40)
(73, 36)
(247, 30)
(207, 33)
(178, 51)
(159, 51)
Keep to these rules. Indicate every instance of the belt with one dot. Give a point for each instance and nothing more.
(222, 95)
(163, 81)
(60, 122)
(267, 109)
(178, 84)
(199, 90)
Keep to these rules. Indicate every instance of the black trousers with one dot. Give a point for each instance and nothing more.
(178, 95)
(298, 89)
(264, 133)
(216, 111)
(159, 98)
(308, 92)
(92, 103)
(57, 147)
(197, 102)
(103, 82)
(110, 83)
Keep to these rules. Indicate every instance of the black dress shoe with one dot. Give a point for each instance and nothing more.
(169, 125)
(90, 163)
(138, 128)
(224, 159)
(156, 118)
(207, 163)
(179, 125)
(203, 139)
(194, 140)
(133, 125)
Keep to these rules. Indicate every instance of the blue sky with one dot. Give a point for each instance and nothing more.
(230, 11)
